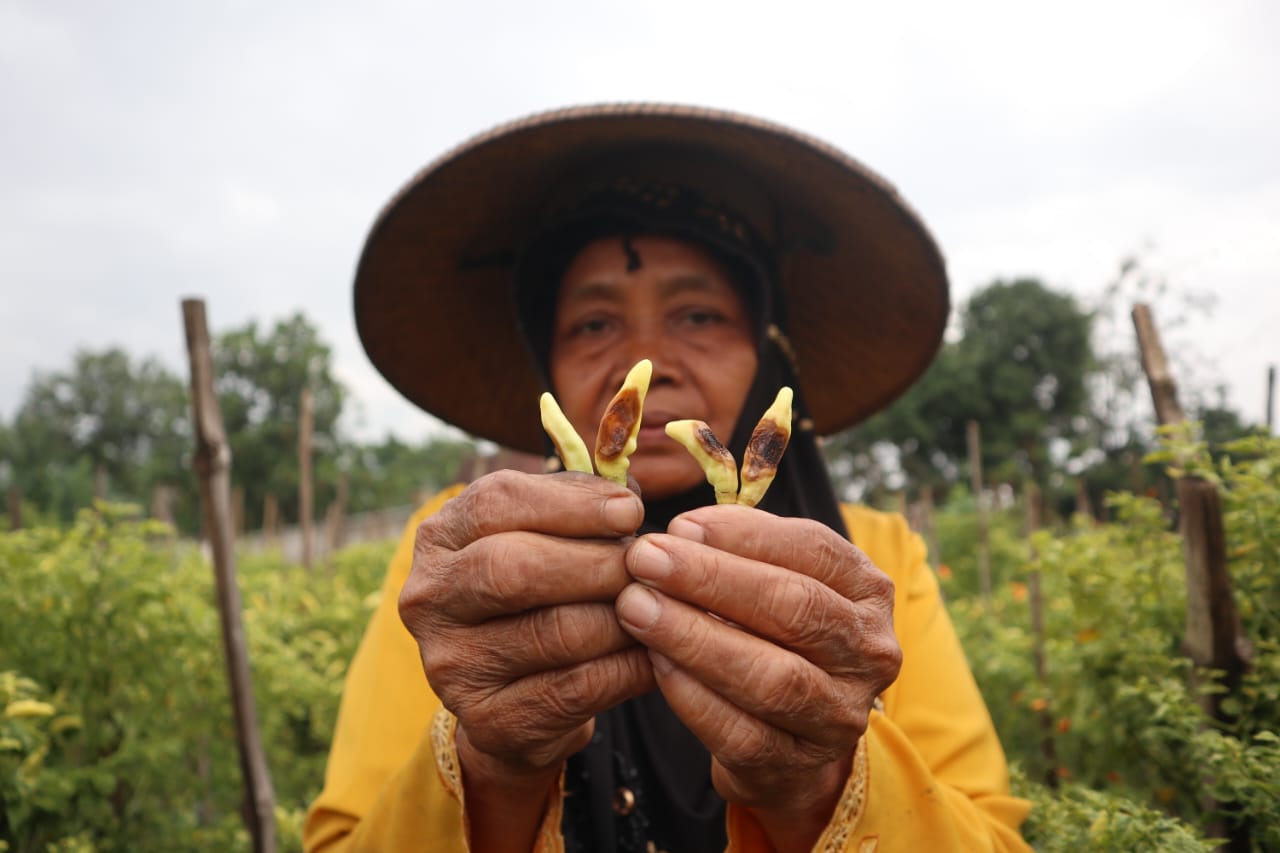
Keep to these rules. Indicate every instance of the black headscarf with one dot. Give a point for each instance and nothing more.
(644, 777)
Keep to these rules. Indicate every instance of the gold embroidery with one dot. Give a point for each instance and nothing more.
(443, 729)
(870, 844)
(849, 810)
(444, 743)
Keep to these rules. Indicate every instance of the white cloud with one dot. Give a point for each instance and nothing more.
(240, 151)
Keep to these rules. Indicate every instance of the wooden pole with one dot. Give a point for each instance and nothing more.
(1271, 399)
(162, 503)
(15, 508)
(1164, 390)
(1213, 635)
(337, 515)
(237, 511)
(1035, 601)
(930, 529)
(270, 515)
(213, 467)
(99, 481)
(1084, 506)
(304, 475)
(1214, 638)
(979, 499)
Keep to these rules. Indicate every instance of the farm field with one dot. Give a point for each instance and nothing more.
(117, 732)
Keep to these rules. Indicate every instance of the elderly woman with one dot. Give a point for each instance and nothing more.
(559, 662)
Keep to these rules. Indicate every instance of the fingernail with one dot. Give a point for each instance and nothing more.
(661, 664)
(623, 514)
(637, 606)
(686, 529)
(648, 561)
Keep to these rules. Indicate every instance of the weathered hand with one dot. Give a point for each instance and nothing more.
(770, 637)
(511, 602)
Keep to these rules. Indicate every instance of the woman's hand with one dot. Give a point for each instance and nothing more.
(511, 602)
(770, 638)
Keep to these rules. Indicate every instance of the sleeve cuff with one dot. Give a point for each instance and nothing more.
(444, 743)
(848, 812)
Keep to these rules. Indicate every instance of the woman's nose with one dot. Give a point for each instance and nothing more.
(666, 368)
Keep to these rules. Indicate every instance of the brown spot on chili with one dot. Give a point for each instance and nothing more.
(709, 442)
(764, 450)
(616, 425)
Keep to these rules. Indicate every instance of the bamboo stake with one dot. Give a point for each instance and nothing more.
(1214, 637)
(930, 529)
(979, 498)
(1084, 506)
(270, 515)
(1213, 634)
(237, 511)
(1164, 390)
(212, 463)
(162, 503)
(1035, 601)
(1271, 399)
(337, 514)
(15, 508)
(304, 475)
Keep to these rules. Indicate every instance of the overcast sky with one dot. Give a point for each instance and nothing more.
(240, 150)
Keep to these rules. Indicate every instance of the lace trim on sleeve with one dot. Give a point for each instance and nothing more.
(848, 813)
(444, 730)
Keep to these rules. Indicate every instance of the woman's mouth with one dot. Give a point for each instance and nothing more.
(653, 432)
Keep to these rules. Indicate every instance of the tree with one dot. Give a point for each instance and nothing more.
(1030, 351)
(260, 377)
(394, 473)
(1020, 368)
(915, 439)
(108, 427)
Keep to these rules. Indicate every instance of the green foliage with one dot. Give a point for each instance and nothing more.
(115, 427)
(261, 375)
(394, 473)
(1020, 368)
(1030, 350)
(109, 426)
(1115, 714)
(116, 731)
(112, 624)
(1079, 818)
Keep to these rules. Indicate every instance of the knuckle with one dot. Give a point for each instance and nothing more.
(491, 496)
(560, 634)
(828, 552)
(417, 597)
(748, 747)
(846, 720)
(489, 581)
(503, 484)
(572, 696)
(785, 689)
(885, 651)
(806, 606)
(881, 587)
(443, 667)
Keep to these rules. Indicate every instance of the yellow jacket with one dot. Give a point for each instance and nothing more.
(929, 773)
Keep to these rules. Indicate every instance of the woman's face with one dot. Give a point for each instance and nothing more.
(677, 309)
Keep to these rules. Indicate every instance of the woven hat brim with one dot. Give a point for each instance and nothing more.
(433, 303)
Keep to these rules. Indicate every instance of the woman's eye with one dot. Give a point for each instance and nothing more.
(590, 326)
(701, 317)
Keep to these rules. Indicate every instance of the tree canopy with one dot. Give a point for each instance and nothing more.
(115, 426)
(1019, 367)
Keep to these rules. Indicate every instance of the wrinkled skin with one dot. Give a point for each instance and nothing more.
(535, 607)
(770, 638)
(511, 599)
